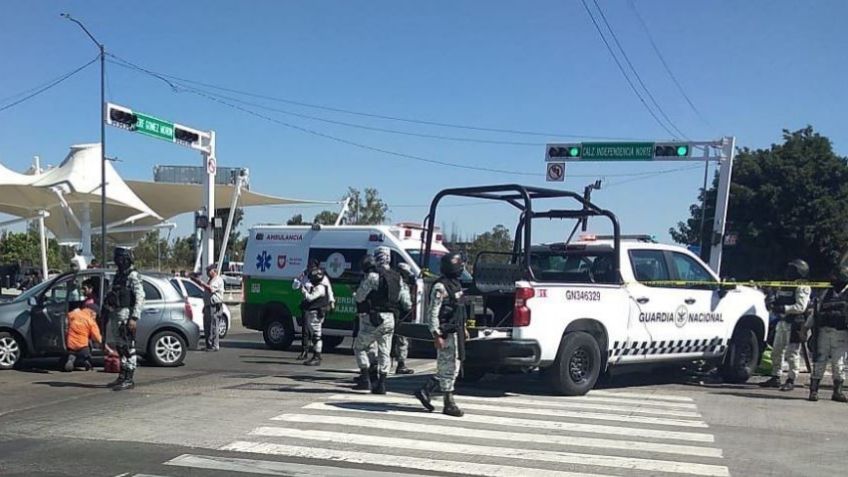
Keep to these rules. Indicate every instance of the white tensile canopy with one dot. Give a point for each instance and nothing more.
(70, 193)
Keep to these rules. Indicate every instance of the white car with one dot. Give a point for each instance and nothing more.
(194, 294)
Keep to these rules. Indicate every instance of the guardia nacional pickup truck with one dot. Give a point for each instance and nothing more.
(578, 308)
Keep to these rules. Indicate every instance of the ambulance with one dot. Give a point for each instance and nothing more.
(277, 254)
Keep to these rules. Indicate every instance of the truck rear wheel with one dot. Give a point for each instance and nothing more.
(743, 355)
(577, 365)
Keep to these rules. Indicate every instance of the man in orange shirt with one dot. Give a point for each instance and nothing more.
(82, 328)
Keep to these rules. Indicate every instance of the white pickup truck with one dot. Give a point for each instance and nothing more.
(575, 309)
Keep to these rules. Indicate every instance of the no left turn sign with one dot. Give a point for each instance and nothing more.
(211, 165)
(556, 172)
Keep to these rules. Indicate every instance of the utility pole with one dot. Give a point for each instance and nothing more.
(102, 136)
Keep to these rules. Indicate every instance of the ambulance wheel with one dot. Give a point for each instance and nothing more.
(577, 365)
(278, 333)
(331, 342)
(743, 354)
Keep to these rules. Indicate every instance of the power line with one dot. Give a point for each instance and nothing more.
(165, 76)
(623, 72)
(38, 90)
(659, 173)
(665, 63)
(636, 72)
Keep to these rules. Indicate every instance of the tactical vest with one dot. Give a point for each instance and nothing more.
(120, 296)
(386, 299)
(450, 305)
(833, 311)
(318, 304)
(786, 296)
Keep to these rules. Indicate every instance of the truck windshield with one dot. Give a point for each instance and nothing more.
(573, 267)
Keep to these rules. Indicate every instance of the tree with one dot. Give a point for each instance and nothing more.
(182, 254)
(788, 201)
(499, 239)
(366, 210)
(24, 249)
(151, 252)
(326, 217)
(296, 220)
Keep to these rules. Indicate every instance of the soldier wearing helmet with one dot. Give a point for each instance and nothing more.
(123, 305)
(315, 305)
(790, 305)
(830, 326)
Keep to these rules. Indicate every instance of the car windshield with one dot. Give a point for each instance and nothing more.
(32, 291)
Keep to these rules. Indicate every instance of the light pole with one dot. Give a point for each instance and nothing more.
(102, 136)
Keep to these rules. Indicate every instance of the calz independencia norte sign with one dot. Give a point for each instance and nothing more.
(600, 151)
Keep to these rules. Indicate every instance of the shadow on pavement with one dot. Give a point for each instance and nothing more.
(64, 384)
(779, 397)
(243, 345)
(377, 407)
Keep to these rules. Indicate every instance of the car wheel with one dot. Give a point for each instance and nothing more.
(223, 327)
(331, 342)
(11, 350)
(167, 349)
(743, 355)
(577, 365)
(278, 333)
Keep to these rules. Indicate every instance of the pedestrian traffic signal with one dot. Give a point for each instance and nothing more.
(185, 135)
(119, 117)
(565, 151)
(672, 150)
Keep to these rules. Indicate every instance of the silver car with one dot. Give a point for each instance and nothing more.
(34, 323)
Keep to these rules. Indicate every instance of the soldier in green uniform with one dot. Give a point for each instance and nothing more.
(123, 304)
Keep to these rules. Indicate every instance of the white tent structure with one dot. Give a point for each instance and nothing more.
(69, 198)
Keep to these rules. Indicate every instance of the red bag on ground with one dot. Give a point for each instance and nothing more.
(112, 363)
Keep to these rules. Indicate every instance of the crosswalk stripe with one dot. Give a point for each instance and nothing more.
(557, 457)
(272, 467)
(630, 401)
(569, 404)
(531, 411)
(661, 397)
(434, 465)
(540, 424)
(511, 437)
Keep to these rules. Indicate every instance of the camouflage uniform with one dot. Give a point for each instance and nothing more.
(831, 327)
(446, 358)
(381, 334)
(786, 347)
(124, 303)
(314, 318)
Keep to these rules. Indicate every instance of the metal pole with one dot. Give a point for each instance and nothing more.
(722, 198)
(702, 243)
(102, 154)
(226, 239)
(210, 163)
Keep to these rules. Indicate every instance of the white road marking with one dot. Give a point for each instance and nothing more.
(661, 397)
(271, 467)
(510, 437)
(524, 423)
(434, 465)
(661, 421)
(557, 457)
(569, 404)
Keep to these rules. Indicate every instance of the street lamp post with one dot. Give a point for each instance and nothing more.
(102, 135)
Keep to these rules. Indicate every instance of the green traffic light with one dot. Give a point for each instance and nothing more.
(573, 151)
(682, 150)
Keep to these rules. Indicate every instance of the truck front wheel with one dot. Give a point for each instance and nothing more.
(743, 354)
(577, 365)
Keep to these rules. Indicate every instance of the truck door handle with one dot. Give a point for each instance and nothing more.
(689, 301)
(642, 300)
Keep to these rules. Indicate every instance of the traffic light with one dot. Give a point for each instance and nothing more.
(185, 135)
(565, 151)
(672, 150)
(119, 117)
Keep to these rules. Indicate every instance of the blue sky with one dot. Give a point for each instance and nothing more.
(752, 68)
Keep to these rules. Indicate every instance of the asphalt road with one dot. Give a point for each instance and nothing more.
(247, 410)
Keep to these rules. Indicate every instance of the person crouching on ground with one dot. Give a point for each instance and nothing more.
(82, 329)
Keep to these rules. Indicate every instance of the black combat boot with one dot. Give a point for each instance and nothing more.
(837, 392)
(363, 381)
(380, 385)
(773, 382)
(450, 407)
(402, 369)
(315, 360)
(814, 390)
(423, 394)
(122, 376)
(789, 385)
(127, 383)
